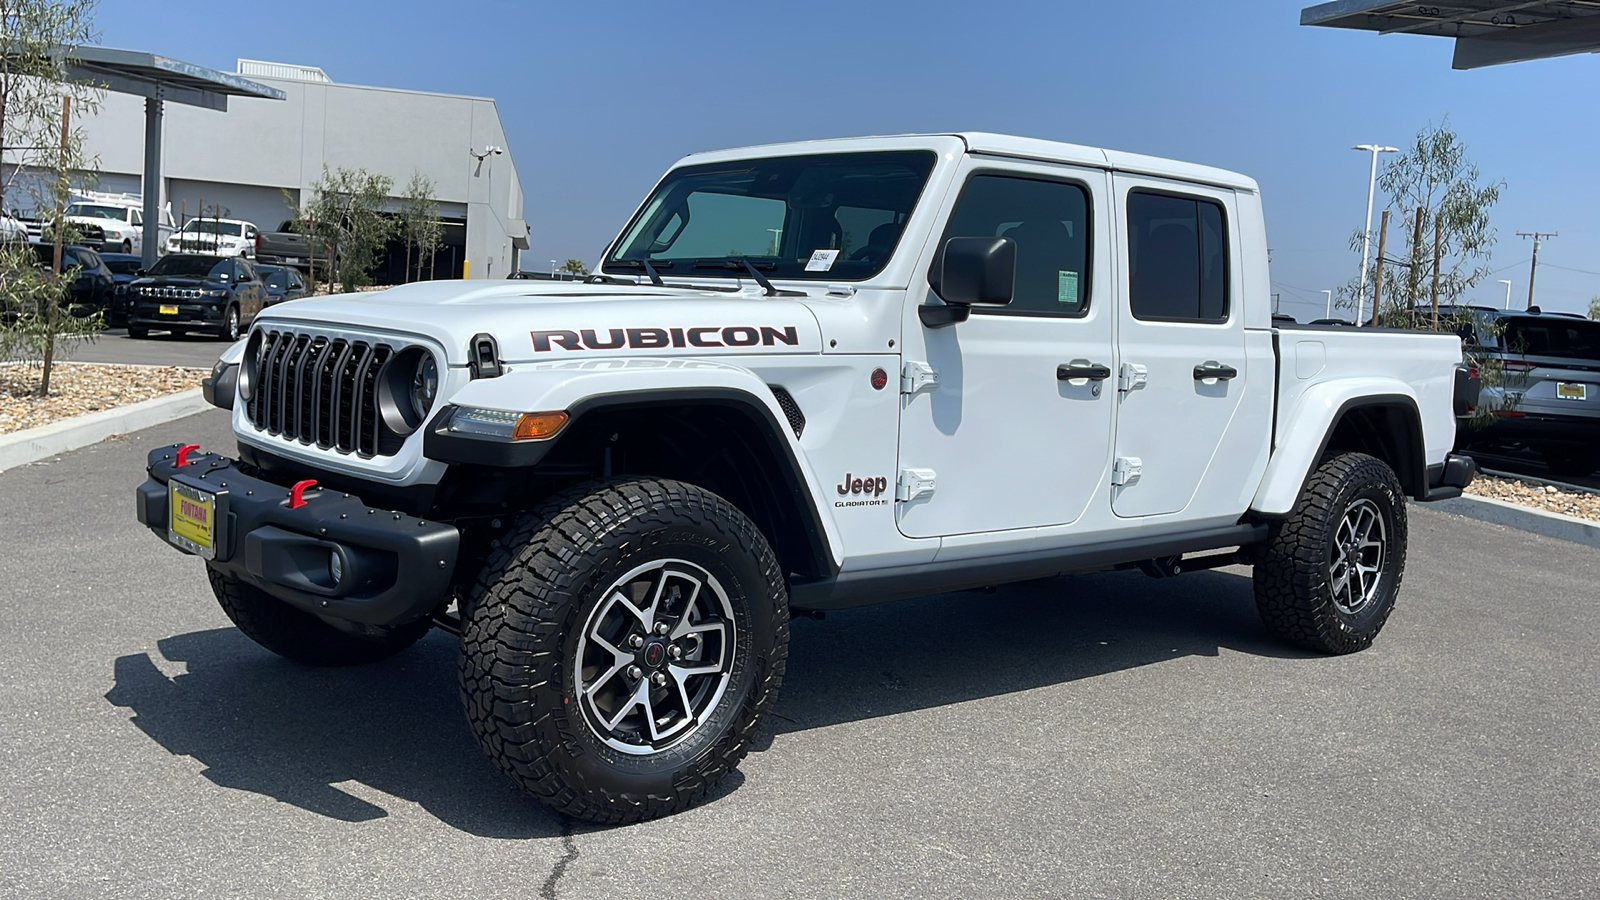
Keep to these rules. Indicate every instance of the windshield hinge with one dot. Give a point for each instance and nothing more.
(483, 356)
(914, 376)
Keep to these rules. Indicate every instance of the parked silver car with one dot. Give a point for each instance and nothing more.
(1549, 400)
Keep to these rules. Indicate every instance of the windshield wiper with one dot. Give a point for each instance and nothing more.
(649, 269)
(737, 263)
(655, 276)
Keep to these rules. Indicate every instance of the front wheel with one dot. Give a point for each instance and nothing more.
(230, 325)
(623, 644)
(1328, 577)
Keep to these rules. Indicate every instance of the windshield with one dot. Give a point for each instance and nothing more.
(274, 277)
(96, 211)
(835, 217)
(122, 266)
(211, 226)
(191, 266)
(1551, 336)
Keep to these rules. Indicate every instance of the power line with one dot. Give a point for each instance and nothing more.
(1568, 269)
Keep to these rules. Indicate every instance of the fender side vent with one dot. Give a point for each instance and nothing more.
(791, 409)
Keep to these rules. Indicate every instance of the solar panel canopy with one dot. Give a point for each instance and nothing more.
(1486, 32)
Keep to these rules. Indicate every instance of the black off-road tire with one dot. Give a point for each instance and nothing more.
(137, 333)
(1294, 587)
(298, 635)
(539, 591)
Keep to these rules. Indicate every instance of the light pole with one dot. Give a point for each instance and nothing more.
(552, 269)
(1366, 224)
(1507, 283)
(1328, 314)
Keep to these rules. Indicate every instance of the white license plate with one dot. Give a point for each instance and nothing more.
(191, 519)
(1568, 390)
(293, 260)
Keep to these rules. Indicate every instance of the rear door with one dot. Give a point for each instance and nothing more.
(1182, 343)
(1008, 442)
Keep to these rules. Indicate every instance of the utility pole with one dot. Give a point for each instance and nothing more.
(1377, 277)
(1534, 267)
(1439, 226)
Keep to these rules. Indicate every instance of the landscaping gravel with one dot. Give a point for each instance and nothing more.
(79, 388)
(1583, 504)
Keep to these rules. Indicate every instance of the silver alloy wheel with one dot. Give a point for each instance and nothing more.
(1358, 557)
(233, 325)
(655, 656)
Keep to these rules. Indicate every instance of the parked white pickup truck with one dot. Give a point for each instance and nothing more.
(805, 377)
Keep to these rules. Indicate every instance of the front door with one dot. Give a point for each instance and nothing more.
(1009, 442)
(1182, 341)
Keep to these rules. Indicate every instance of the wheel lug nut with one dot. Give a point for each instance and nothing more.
(635, 671)
(663, 628)
(675, 650)
(659, 679)
(637, 640)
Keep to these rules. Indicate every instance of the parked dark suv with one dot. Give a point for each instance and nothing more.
(91, 291)
(195, 292)
(1550, 399)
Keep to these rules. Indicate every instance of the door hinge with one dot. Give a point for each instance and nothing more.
(1132, 377)
(913, 483)
(1126, 471)
(914, 376)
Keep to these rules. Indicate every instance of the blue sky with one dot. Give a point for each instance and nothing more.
(598, 98)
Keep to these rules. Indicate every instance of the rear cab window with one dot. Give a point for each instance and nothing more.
(1178, 257)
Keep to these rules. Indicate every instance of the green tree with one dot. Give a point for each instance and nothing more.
(345, 214)
(1594, 308)
(44, 162)
(1439, 202)
(419, 221)
(575, 267)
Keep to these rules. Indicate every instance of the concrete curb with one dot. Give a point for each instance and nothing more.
(23, 447)
(1524, 518)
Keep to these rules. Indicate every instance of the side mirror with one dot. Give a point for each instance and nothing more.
(140, 273)
(972, 271)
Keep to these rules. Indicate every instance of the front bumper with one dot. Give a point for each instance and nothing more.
(394, 568)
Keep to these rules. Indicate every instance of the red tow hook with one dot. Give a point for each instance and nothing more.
(183, 454)
(297, 493)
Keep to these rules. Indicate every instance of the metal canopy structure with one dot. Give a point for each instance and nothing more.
(1487, 32)
(158, 79)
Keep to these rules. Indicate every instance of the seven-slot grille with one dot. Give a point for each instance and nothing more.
(320, 390)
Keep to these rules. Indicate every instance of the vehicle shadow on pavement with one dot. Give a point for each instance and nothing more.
(294, 733)
(262, 724)
(913, 655)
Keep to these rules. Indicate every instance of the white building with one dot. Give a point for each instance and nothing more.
(240, 163)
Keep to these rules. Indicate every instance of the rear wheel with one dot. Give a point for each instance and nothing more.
(1328, 578)
(138, 333)
(623, 644)
(298, 635)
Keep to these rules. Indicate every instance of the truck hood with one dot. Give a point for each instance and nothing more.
(564, 321)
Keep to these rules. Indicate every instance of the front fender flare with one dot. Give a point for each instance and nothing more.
(578, 387)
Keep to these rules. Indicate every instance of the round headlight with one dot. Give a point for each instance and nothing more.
(249, 364)
(424, 385)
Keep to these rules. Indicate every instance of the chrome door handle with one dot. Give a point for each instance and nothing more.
(1076, 369)
(1213, 369)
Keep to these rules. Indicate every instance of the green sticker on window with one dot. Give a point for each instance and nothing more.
(1066, 286)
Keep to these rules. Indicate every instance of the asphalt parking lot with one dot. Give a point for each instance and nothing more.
(160, 349)
(1101, 736)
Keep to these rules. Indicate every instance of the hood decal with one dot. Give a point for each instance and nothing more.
(658, 338)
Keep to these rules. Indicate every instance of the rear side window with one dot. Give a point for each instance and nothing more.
(1048, 220)
(1550, 336)
(1178, 258)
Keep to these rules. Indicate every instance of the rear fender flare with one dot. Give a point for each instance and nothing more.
(1303, 437)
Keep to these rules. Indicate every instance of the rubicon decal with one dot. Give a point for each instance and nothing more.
(660, 338)
(872, 488)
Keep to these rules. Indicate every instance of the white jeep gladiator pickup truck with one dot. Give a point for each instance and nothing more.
(804, 377)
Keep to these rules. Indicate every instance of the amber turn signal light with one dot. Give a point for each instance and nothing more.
(538, 426)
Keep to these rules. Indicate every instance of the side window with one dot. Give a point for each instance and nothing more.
(1048, 220)
(1177, 258)
(137, 217)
